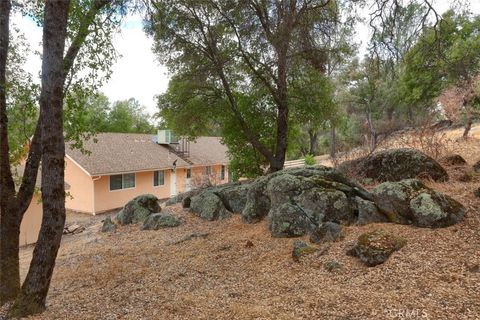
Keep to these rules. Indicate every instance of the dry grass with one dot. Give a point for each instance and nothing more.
(133, 274)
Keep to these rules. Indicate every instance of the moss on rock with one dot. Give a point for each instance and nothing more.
(411, 202)
(138, 209)
(374, 247)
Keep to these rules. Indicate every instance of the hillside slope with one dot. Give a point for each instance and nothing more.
(133, 274)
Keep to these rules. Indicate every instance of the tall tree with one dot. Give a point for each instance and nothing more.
(128, 116)
(443, 57)
(237, 45)
(57, 64)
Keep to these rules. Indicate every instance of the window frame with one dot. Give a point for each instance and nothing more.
(189, 173)
(123, 181)
(223, 171)
(155, 180)
(208, 170)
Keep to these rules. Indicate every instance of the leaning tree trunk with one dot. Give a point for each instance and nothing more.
(9, 227)
(9, 247)
(13, 210)
(35, 288)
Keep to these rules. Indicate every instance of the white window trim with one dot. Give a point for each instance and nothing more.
(153, 179)
(122, 174)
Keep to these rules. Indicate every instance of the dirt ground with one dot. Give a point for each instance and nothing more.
(133, 274)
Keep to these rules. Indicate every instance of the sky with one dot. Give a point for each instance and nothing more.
(137, 73)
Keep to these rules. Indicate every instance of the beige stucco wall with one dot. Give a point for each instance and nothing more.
(107, 200)
(80, 194)
(31, 223)
(92, 194)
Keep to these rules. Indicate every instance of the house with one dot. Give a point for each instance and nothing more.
(120, 166)
(32, 218)
(31, 222)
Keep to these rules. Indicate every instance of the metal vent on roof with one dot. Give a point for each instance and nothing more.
(167, 137)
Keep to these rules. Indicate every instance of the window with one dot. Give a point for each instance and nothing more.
(122, 181)
(222, 173)
(208, 170)
(189, 173)
(158, 178)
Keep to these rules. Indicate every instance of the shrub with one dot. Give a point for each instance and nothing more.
(310, 160)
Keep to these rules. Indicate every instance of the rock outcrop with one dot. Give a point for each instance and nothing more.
(374, 248)
(138, 209)
(209, 206)
(108, 225)
(395, 165)
(318, 200)
(327, 232)
(216, 202)
(300, 249)
(298, 201)
(411, 202)
(453, 160)
(160, 220)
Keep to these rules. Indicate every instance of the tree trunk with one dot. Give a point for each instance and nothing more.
(372, 141)
(9, 265)
(35, 288)
(9, 227)
(333, 142)
(282, 106)
(468, 126)
(313, 137)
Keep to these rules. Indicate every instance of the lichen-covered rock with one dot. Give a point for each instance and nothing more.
(298, 200)
(282, 186)
(368, 212)
(300, 249)
(234, 195)
(332, 266)
(434, 210)
(209, 206)
(476, 167)
(183, 197)
(396, 165)
(160, 220)
(374, 247)
(138, 209)
(411, 202)
(218, 202)
(453, 160)
(327, 232)
(257, 203)
(325, 204)
(108, 225)
(288, 220)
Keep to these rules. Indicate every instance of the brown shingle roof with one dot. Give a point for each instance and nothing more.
(115, 153)
(208, 150)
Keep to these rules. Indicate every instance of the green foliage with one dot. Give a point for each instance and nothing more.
(310, 160)
(128, 116)
(227, 59)
(441, 57)
(22, 97)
